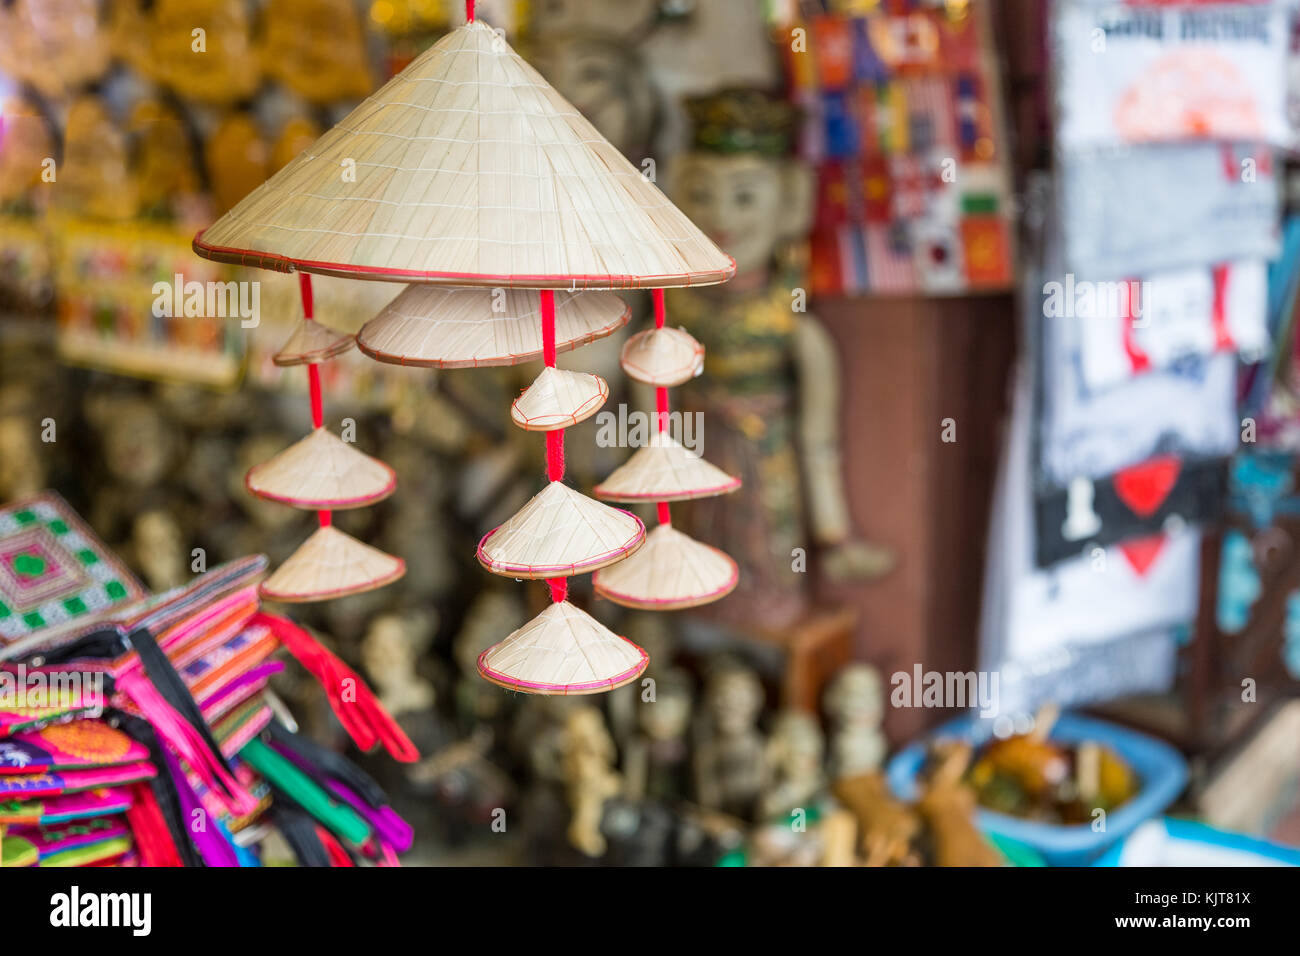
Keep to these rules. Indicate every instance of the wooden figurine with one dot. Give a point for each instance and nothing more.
(237, 158)
(589, 777)
(202, 49)
(94, 179)
(390, 652)
(165, 167)
(793, 761)
(855, 705)
(729, 753)
(948, 806)
(886, 827)
(656, 764)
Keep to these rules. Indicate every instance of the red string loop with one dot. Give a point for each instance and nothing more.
(304, 286)
(559, 589)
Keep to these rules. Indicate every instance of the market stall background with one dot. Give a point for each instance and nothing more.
(891, 152)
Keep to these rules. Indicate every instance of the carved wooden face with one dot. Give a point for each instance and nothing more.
(735, 699)
(670, 715)
(742, 201)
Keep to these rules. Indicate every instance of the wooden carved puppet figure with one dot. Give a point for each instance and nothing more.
(589, 777)
(771, 385)
(729, 753)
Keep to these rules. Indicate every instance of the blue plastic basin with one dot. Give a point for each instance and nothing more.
(1161, 770)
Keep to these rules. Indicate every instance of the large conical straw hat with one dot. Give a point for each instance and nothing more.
(558, 398)
(468, 168)
(312, 342)
(558, 533)
(440, 327)
(663, 470)
(331, 564)
(322, 471)
(669, 572)
(662, 357)
(563, 651)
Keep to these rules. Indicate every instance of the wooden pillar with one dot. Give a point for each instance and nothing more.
(909, 364)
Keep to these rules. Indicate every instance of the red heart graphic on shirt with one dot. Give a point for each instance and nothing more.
(1145, 487)
(1142, 552)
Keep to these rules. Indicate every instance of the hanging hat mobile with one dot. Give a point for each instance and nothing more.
(673, 571)
(473, 172)
(323, 473)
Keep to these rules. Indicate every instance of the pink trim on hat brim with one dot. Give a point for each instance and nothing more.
(585, 411)
(680, 496)
(331, 504)
(279, 263)
(565, 690)
(535, 571)
(308, 597)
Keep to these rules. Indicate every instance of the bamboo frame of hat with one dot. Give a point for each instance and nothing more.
(548, 205)
(323, 473)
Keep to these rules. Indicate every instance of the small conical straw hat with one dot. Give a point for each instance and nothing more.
(312, 342)
(331, 564)
(669, 572)
(662, 357)
(558, 533)
(563, 651)
(322, 471)
(468, 168)
(439, 327)
(559, 398)
(663, 470)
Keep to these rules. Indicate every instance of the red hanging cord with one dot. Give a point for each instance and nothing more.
(317, 406)
(554, 439)
(661, 396)
(469, 11)
(304, 286)
(313, 376)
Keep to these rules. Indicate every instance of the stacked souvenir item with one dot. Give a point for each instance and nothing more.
(1151, 288)
(672, 571)
(141, 730)
(510, 214)
(323, 473)
(901, 105)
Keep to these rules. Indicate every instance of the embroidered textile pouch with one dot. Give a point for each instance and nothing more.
(78, 745)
